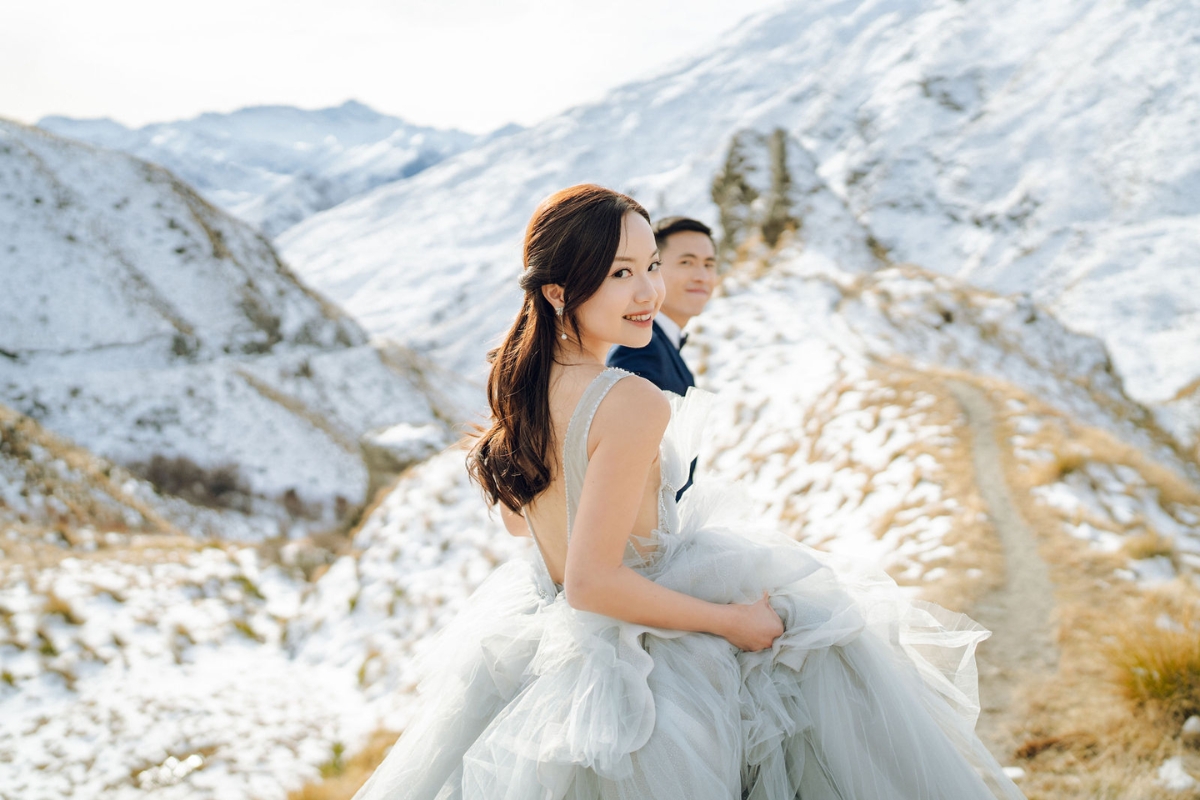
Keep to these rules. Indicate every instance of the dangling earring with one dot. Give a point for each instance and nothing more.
(558, 312)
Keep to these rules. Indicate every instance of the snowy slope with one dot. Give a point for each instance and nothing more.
(48, 485)
(157, 668)
(139, 321)
(272, 166)
(833, 414)
(433, 261)
(1045, 149)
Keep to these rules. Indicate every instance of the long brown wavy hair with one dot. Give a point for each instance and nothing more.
(571, 241)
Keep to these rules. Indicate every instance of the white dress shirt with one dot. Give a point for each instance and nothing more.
(673, 331)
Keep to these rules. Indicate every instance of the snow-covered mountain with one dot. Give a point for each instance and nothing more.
(1046, 149)
(272, 166)
(144, 324)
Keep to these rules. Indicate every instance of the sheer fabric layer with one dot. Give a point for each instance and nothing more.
(866, 695)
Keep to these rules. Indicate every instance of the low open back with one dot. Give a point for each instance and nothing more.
(574, 469)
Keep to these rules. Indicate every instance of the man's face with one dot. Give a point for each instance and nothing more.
(689, 270)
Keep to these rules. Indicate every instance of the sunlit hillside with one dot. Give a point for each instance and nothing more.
(166, 336)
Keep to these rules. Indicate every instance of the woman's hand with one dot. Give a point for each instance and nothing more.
(753, 626)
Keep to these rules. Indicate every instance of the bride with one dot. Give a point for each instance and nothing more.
(657, 650)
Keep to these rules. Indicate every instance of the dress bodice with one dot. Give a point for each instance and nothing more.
(639, 550)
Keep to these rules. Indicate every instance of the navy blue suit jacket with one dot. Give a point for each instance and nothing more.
(660, 363)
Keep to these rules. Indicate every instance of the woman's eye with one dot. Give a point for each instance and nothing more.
(654, 265)
(623, 272)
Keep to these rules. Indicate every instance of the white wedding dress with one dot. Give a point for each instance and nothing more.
(865, 696)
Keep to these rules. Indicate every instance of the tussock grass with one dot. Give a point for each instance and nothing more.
(87, 488)
(1094, 728)
(1148, 545)
(1159, 667)
(341, 777)
(57, 605)
(977, 549)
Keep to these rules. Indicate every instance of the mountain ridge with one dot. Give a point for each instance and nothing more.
(273, 165)
(1024, 148)
(141, 322)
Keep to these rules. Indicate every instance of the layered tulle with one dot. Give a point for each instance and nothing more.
(865, 695)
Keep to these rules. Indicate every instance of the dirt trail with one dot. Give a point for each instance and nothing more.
(1020, 613)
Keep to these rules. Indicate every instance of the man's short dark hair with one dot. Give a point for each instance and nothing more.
(664, 228)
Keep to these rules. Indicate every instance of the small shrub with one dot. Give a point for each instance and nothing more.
(296, 508)
(336, 765)
(1148, 545)
(217, 487)
(248, 586)
(56, 605)
(47, 647)
(342, 777)
(1159, 667)
(243, 627)
(1071, 742)
(1068, 460)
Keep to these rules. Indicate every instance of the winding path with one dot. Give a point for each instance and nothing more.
(1020, 612)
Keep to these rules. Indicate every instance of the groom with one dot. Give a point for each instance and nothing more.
(689, 270)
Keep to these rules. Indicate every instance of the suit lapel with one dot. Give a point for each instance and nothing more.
(682, 373)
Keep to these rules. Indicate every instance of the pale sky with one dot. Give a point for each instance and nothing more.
(470, 64)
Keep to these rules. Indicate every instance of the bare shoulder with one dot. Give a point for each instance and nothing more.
(634, 407)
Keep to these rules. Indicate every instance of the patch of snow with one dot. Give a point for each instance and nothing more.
(1173, 776)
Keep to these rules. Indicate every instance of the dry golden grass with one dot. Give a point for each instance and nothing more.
(341, 778)
(57, 605)
(1159, 667)
(89, 489)
(1085, 732)
(1148, 545)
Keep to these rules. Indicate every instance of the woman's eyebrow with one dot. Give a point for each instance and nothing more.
(633, 260)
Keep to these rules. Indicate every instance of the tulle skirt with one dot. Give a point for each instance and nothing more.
(866, 695)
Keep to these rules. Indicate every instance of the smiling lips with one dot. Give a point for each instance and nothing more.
(641, 320)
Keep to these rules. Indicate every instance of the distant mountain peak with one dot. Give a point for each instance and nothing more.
(274, 165)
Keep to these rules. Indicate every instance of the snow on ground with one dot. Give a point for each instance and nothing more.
(422, 552)
(138, 321)
(1026, 147)
(161, 671)
(845, 444)
(45, 483)
(272, 166)
(1108, 497)
(831, 413)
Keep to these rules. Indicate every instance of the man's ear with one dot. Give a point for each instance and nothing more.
(555, 294)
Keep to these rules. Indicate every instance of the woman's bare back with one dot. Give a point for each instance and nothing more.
(546, 514)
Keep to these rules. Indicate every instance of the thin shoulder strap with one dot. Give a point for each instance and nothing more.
(575, 457)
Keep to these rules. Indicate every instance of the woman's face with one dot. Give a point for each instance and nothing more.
(622, 310)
